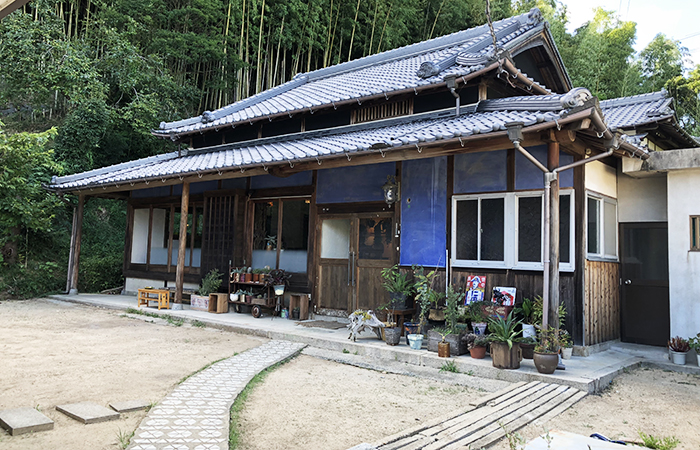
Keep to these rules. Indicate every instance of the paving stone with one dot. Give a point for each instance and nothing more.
(88, 412)
(195, 415)
(24, 420)
(129, 406)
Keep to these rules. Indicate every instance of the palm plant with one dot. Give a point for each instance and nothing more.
(504, 330)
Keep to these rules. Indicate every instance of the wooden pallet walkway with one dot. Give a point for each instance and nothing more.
(485, 421)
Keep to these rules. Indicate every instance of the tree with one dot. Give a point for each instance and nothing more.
(686, 92)
(659, 62)
(26, 162)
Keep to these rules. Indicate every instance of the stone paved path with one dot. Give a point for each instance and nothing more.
(195, 416)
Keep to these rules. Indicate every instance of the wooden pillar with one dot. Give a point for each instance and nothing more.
(182, 244)
(76, 235)
(71, 251)
(483, 91)
(553, 163)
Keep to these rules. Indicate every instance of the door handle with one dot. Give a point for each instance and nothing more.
(628, 281)
(349, 271)
(353, 268)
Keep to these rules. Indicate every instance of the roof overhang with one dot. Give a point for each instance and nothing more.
(8, 6)
(662, 162)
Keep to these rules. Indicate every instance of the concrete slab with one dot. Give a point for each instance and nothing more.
(129, 406)
(24, 420)
(88, 412)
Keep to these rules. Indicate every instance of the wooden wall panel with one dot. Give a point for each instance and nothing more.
(602, 302)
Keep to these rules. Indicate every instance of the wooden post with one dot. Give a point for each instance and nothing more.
(75, 248)
(71, 251)
(553, 163)
(483, 91)
(182, 245)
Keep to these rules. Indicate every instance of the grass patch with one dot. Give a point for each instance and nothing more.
(665, 443)
(141, 313)
(186, 377)
(123, 438)
(175, 321)
(345, 350)
(234, 433)
(198, 324)
(449, 366)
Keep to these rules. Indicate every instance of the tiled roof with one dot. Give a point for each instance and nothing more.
(482, 118)
(628, 112)
(405, 68)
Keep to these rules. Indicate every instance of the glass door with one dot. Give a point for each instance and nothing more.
(335, 263)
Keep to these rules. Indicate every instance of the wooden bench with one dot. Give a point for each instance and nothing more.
(162, 296)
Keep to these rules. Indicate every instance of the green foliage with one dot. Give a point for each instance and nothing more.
(32, 279)
(504, 330)
(537, 312)
(549, 340)
(449, 366)
(396, 282)
(425, 296)
(210, 282)
(526, 310)
(452, 301)
(664, 443)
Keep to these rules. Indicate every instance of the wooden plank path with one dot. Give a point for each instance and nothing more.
(485, 421)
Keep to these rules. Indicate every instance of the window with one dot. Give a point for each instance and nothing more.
(601, 223)
(281, 234)
(507, 230)
(156, 232)
(695, 233)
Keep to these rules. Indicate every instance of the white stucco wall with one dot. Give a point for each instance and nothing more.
(601, 178)
(641, 199)
(139, 238)
(684, 265)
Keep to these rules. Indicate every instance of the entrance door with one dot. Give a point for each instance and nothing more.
(354, 248)
(644, 293)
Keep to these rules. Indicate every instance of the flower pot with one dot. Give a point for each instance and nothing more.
(546, 362)
(458, 344)
(244, 278)
(411, 328)
(437, 315)
(434, 339)
(295, 314)
(528, 350)
(398, 300)
(415, 341)
(566, 352)
(285, 313)
(444, 349)
(233, 297)
(392, 336)
(505, 357)
(528, 330)
(678, 357)
(477, 352)
(479, 328)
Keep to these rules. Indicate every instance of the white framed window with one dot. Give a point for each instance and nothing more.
(506, 230)
(601, 227)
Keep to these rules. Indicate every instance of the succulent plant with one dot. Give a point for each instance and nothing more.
(678, 344)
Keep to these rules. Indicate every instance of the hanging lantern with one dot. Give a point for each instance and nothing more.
(391, 190)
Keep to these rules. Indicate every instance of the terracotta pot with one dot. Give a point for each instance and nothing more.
(546, 362)
(505, 357)
(444, 349)
(477, 352)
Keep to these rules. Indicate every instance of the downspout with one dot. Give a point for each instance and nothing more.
(451, 83)
(516, 136)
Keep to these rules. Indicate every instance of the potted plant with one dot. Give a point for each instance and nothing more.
(456, 333)
(567, 344)
(527, 345)
(398, 285)
(392, 333)
(424, 294)
(256, 275)
(477, 345)
(679, 348)
(415, 341)
(210, 284)
(505, 349)
(694, 343)
(478, 316)
(546, 355)
(443, 348)
(526, 310)
(278, 279)
(295, 313)
(537, 312)
(271, 243)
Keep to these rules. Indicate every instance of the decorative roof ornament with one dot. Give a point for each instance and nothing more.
(534, 17)
(428, 69)
(575, 97)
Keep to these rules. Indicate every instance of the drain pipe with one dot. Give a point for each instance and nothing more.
(515, 134)
(451, 83)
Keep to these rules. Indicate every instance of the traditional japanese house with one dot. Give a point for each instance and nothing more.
(463, 134)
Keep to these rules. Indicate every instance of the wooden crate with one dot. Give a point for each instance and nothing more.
(218, 303)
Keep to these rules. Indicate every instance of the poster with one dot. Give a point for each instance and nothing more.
(507, 295)
(475, 289)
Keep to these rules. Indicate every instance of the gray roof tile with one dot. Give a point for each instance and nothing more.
(628, 112)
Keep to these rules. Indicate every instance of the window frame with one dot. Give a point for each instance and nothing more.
(510, 230)
(694, 233)
(601, 255)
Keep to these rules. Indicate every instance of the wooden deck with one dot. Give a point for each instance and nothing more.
(485, 421)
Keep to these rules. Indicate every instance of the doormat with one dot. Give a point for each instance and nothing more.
(327, 324)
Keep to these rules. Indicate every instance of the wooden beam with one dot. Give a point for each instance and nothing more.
(8, 6)
(78, 231)
(182, 244)
(553, 163)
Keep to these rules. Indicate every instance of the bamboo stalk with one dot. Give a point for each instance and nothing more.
(386, 19)
(374, 23)
(354, 24)
(258, 73)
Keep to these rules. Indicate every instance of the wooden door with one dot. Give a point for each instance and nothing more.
(644, 298)
(353, 250)
(223, 225)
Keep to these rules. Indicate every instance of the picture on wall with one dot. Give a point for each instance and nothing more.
(504, 296)
(476, 286)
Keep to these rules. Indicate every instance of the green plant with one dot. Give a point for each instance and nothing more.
(665, 443)
(537, 311)
(503, 330)
(345, 350)
(123, 438)
(271, 241)
(549, 341)
(526, 310)
(476, 311)
(565, 339)
(452, 299)
(449, 366)
(198, 324)
(694, 343)
(277, 277)
(396, 282)
(515, 440)
(424, 292)
(678, 344)
(210, 283)
(175, 321)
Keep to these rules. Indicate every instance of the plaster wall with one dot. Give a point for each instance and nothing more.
(139, 237)
(683, 264)
(601, 178)
(641, 199)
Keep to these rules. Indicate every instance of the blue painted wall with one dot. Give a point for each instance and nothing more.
(353, 184)
(269, 181)
(481, 172)
(424, 212)
(527, 176)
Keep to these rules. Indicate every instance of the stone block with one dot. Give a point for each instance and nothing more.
(88, 412)
(129, 406)
(24, 420)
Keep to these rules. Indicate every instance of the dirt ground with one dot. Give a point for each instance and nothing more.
(53, 353)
